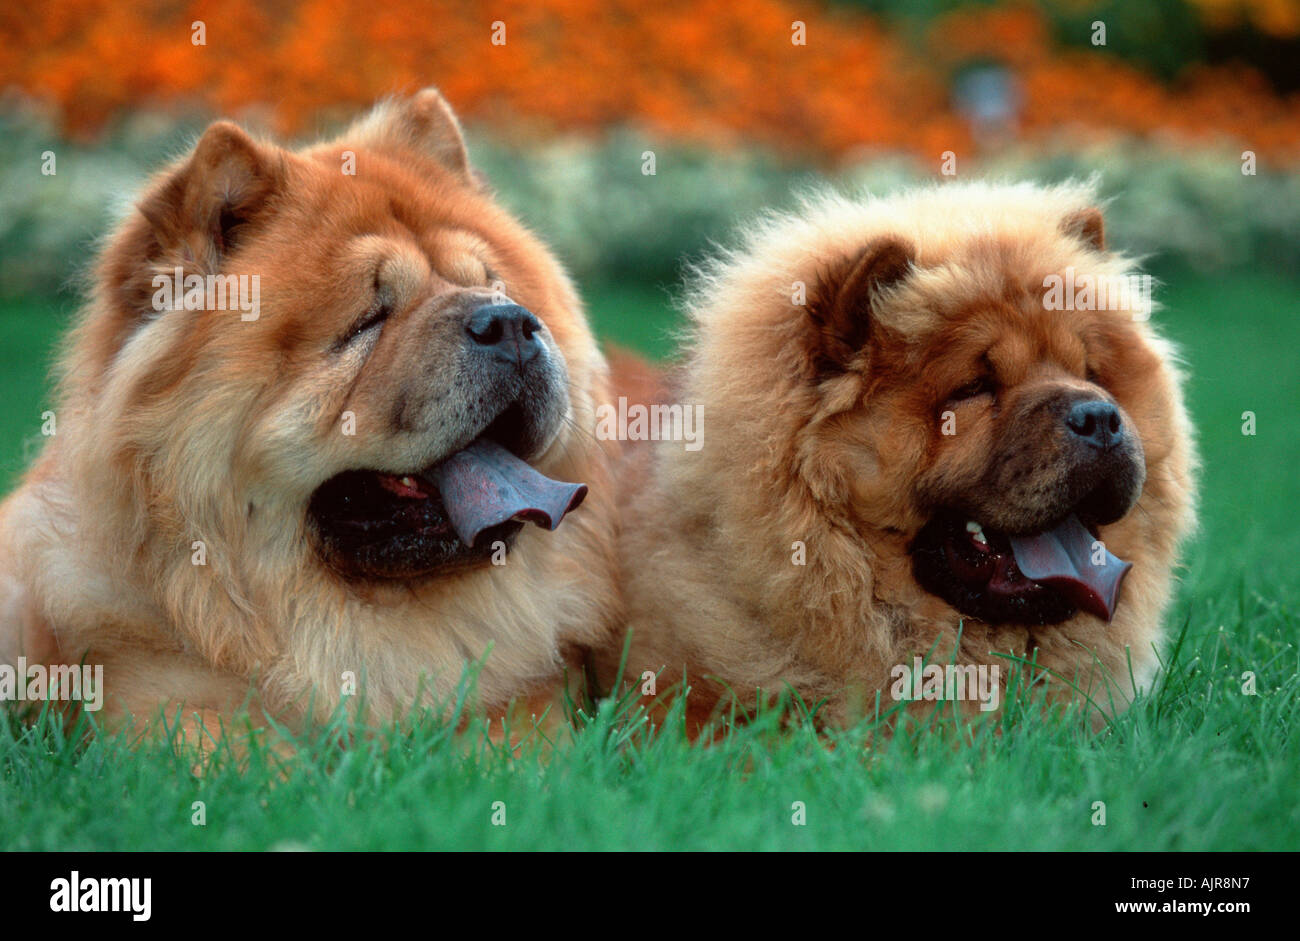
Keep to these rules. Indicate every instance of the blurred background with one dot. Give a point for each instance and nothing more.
(1187, 111)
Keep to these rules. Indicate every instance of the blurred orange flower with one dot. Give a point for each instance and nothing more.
(702, 69)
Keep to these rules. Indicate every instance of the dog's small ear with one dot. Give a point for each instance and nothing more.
(423, 123)
(841, 307)
(196, 214)
(201, 210)
(1087, 226)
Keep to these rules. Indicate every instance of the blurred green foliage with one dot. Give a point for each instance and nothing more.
(1163, 37)
(588, 197)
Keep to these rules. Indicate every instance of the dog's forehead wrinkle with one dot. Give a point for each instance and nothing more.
(387, 199)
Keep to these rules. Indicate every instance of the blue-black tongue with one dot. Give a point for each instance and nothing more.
(485, 485)
(1063, 558)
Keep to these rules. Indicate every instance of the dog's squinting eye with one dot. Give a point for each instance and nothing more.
(374, 316)
(971, 390)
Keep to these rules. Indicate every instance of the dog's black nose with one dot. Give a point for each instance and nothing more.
(507, 331)
(1096, 422)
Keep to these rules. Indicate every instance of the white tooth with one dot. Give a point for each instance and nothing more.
(981, 539)
(408, 482)
(974, 527)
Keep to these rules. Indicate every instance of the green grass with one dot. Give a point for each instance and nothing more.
(29, 332)
(1196, 765)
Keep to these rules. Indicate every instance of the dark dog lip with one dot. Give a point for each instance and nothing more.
(978, 570)
(352, 496)
(375, 524)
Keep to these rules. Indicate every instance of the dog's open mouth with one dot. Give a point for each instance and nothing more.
(372, 524)
(1037, 578)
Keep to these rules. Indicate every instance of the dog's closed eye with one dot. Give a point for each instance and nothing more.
(984, 385)
(374, 317)
(381, 307)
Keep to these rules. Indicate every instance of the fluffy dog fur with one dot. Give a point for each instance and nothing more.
(823, 427)
(190, 425)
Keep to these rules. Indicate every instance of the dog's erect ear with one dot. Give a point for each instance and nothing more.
(424, 123)
(204, 207)
(841, 307)
(1087, 225)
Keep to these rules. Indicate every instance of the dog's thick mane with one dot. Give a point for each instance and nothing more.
(747, 348)
(133, 489)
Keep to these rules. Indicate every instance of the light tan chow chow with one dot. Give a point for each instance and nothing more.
(334, 479)
(909, 437)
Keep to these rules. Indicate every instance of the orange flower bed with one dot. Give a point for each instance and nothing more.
(699, 69)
